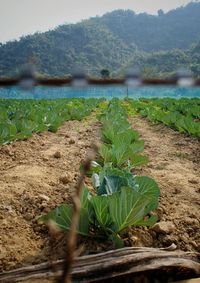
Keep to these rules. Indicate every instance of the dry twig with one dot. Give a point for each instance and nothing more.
(72, 236)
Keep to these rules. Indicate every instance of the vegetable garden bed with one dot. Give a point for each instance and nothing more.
(48, 194)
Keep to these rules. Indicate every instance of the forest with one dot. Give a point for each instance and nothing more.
(158, 44)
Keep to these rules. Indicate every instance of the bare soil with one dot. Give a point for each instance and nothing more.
(174, 162)
(36, 175)
(40, 173)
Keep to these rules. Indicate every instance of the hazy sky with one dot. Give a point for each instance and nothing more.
(20, 17)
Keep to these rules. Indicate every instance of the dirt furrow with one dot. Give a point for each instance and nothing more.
(35, 176)
(38, 174)
(175, 165)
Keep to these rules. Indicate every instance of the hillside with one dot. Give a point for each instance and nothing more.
(165, 63)
(161, 43)
(175, 29)
(56, 52)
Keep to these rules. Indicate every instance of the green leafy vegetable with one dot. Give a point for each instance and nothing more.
(122, 199)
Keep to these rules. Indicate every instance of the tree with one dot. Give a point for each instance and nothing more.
(160, 12)
(105, 73)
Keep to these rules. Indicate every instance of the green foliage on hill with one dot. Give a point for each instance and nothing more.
(56, 52)
(175, 29)
(166, 63)
(159, 44)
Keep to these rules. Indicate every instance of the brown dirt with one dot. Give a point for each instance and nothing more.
(32, 183)
(175, 165)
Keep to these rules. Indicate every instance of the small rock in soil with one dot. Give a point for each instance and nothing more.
(184, 239)
(57, 154)
(52, 183)
(181, 143)
(198, 248)
(191, 221)
(44, 197)
(43, 205)
(177, 191)
(193, 181)
(134, 239)
(164, 227)
(8, 208)
(64, 179)
(160, 213)
(168, 240)
(71, 141)
(28, 216)
(187, 248)
(194, 244)
(81, 144)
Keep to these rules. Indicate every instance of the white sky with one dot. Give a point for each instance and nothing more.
(21, 17)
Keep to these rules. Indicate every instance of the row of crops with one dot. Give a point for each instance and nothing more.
(20, 118)
(121, 198)
(182, 115)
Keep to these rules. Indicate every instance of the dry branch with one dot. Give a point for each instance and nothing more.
(72, 236)
(112, 265)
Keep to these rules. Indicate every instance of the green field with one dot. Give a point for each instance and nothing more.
(182, 115)
(20, 118)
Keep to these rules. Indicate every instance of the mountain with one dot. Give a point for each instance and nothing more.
(166, 63)
(56, 52)
(194, 54)
(114, 41)
(175, 29)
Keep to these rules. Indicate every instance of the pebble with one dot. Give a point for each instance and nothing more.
(169, 240)
(180, 143)
(177, 191)
(198, 248)
(44, 197)
(193, 181)
(81, 144)
(71, 141)
(52, 183)
(191, 221)
(164, 227)
(37, 228)
(134, 239)
(194, 244)
(43, 205)
(46, 209)
(160, 213)
(8, 208)
(7, 151)
(184, 239)
(187, 247)
(28, 216)
(64, 179)
(57, 154)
